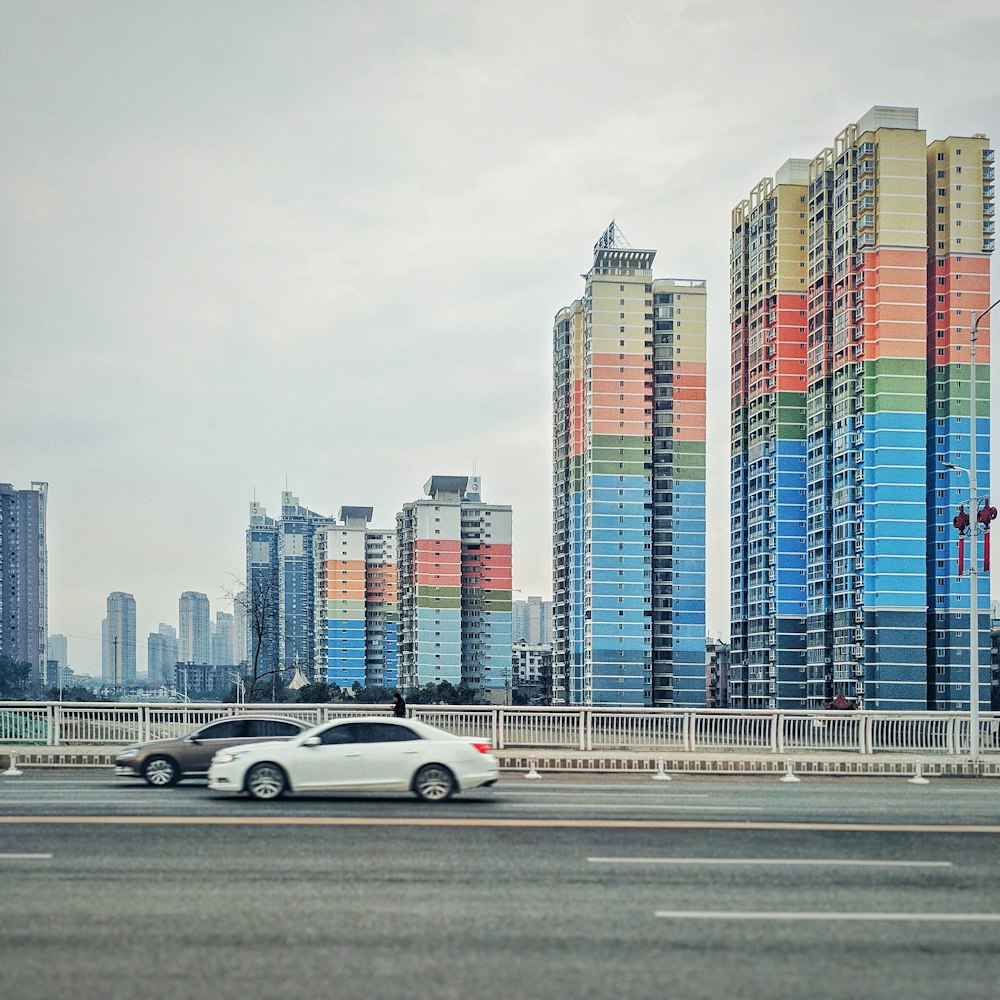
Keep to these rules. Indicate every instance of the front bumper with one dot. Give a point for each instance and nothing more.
(225, 778)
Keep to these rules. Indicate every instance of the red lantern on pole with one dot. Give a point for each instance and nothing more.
(961, 521)
(984, 517)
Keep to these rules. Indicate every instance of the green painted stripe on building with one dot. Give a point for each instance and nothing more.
(429, 590)
(620, 469)
(907, 367)
(617, 441)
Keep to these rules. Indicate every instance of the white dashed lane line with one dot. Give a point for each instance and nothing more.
(819, 862)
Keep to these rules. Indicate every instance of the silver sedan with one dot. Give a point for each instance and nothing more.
(358, 754)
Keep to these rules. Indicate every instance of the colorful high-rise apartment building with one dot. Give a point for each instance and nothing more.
(629, 362)
(454, 587)
(855, 278)
(355, 601)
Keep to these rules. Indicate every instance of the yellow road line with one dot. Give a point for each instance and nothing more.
(437, 821)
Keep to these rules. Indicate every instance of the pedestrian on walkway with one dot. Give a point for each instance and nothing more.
(399, 706)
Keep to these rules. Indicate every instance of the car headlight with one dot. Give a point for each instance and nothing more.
(227, 756)
(128, 752)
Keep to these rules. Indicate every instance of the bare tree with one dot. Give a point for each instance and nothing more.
(259, 601)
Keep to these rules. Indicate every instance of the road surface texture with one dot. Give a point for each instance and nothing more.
(554, 889)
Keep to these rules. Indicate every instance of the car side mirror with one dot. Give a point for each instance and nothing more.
(313, 741)
(194, 740)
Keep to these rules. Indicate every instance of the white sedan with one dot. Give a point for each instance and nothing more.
(358, 754)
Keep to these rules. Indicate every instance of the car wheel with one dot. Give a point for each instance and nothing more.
(434, 783)
(161, 772)
(266, 781)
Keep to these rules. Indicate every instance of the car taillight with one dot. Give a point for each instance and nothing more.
(483, 747)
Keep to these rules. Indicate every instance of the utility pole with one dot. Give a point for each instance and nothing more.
(114, 677)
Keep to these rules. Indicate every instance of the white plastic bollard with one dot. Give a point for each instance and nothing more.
(12, 770)
(660, 774)
(788, 775)
(918, 778)
(532, 773)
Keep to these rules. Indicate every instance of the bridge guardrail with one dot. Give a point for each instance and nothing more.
(589, 728)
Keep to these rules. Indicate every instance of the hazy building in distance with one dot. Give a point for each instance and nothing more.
(118, 629)
(356, 613)
(59, 650)
(194, 637)
(532, 621)
(261, 601)
(855, 279)
(454, 588)
(240, 627)
(162, 654)
(629, 486)
(717, 674)
(531, 673)
(223, 653)
(24, 606)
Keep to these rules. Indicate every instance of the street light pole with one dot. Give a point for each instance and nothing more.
(974, 532)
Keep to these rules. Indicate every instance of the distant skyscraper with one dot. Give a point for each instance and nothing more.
(223, 654)
(296, 582)
(532, 621)
(59, 650)
(24, 623)
(356, 610)
(261, 602)
(855, 278)
(162, 655)
(119, 641)
(629, 486)
(281, 585)
(240, 627)
(194, 638)
(454, 581)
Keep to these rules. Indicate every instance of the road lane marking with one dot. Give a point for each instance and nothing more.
(581, 806)
(25, 857)
(494, 822)
(652, 793)
(965, 918)
(824, 862)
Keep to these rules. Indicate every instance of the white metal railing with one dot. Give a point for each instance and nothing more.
(659, 729)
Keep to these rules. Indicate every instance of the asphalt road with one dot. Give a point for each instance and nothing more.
(552, 889)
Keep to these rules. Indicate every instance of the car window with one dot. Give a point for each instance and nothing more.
(348, 732)
(387, 732)
(271, 728)
(228, 729)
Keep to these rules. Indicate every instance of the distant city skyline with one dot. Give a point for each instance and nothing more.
(319, 249)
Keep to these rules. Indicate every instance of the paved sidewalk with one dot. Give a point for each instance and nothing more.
(614, 761)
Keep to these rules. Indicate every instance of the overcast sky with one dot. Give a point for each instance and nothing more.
(324, 242)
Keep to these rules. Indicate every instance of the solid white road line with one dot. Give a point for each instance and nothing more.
(25, 857)
(611, 805)
(823, 862)
(965, 918)
(653, 793)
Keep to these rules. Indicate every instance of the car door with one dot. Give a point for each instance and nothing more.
(197, 750)
(332, 763)
(390, 754)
